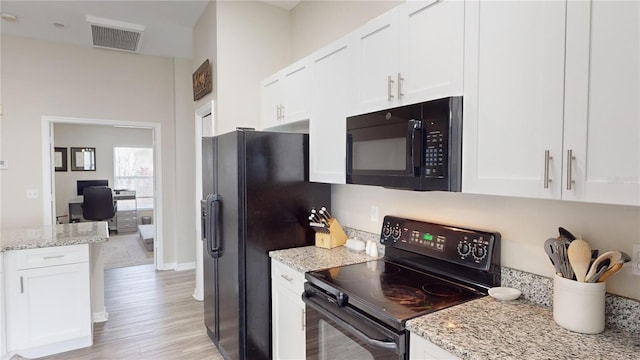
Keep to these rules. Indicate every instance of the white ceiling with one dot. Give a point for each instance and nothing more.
(168, 24)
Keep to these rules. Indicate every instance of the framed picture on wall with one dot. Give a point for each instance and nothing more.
(83, 159)
(60, 158)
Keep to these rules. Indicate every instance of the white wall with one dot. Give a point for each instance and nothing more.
(524, 223)
(104, 139)
(50, 79)
(253, 42)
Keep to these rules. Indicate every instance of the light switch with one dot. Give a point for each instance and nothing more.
(32, 193)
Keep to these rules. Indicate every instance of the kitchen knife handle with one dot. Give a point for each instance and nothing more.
(389, 88)
(547, 159)
(570, 159)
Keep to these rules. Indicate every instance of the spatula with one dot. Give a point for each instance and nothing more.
(613, 257)
(579, 254)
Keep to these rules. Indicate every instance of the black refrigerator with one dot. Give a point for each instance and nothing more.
(256, 199)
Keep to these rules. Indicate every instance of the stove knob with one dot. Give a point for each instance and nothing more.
(479, 252)
(463, 249)
(396, 233)
(386, 231)
(342, 299)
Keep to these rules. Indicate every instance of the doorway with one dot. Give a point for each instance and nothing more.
(49, 184)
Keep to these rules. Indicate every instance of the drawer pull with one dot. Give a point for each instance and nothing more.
(287, 277)
(21, 285)
(52, 257)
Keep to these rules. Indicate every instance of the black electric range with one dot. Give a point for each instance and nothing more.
(426, 267)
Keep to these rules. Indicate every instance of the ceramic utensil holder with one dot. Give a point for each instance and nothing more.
(336, 236)
(578, 306)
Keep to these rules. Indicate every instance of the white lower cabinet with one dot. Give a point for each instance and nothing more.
(3, 347)
(422, 349)
(48, 300)
(287, 312)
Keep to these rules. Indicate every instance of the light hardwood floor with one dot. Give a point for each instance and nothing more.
(152, 315)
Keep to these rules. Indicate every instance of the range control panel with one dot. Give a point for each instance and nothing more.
(472, 248)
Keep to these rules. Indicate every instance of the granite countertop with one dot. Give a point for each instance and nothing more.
(309, 258)
(490, 329)
(53, 235)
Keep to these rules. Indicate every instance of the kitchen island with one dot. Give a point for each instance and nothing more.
(53, 287)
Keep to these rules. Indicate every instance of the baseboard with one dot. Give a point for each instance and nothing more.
(100, 316)
(186, 266)
(167, 266)
(56, 348)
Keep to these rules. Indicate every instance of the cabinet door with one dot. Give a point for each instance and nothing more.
(3, 348)
(296, 88)
(48, 305)
(602, 113)
(431, 54)
(288, 322)
(513, 97)
(327, 124)
(376, 63)
(422, 349)
(271, 101)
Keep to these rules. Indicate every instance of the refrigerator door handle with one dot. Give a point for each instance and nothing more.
(213, 225)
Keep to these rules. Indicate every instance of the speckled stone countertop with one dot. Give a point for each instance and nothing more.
(53, 235)
(491, 329)
(309, 258)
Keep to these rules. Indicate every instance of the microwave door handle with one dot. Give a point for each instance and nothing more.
(387, 345)
(413, 146)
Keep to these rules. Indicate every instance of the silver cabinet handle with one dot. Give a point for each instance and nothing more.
(389, 88)
(547, 159)
(21, 285)
(52, 257)
(287, 277)
(278, 112)
(281, 112)
(400, 81)
(570, 159)
(303, 320)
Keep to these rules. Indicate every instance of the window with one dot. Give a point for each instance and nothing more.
(133, 170)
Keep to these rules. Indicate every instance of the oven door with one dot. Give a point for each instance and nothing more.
(334, 332)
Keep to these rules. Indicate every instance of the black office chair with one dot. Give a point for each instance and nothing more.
(97, 203)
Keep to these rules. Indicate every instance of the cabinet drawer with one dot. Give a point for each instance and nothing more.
(51, 256)
(284, 276)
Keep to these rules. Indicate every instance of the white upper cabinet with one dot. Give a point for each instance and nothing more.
(410, 54)
(285, 96)
(431, 50)
(537, 125)
(513, 98)
(602, 102)
(331, 93)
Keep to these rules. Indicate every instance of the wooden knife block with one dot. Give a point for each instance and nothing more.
(336, 236)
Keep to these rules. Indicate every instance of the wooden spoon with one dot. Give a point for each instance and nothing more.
(613, 257)
(612, 270)
(579, 254)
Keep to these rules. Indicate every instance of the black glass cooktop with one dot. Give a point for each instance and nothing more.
(390, 292)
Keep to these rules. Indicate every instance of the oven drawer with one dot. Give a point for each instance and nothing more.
(287, 277)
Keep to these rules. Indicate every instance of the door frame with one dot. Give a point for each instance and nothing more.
(48, 178)
(200, 113)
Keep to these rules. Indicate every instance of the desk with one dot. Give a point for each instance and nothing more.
(126, 218)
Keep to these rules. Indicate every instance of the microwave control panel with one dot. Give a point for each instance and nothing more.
(436, 147)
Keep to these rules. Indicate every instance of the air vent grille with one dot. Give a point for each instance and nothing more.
(113, 34)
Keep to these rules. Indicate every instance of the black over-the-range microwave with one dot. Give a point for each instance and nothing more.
(416, 147)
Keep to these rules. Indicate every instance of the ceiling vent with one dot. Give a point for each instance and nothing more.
(114, 34)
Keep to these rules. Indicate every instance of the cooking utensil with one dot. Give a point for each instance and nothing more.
(561, 246)
(612, 256)
(601, 268)
(566, 234)
(549, 248)
(579, 254)
(612, 270)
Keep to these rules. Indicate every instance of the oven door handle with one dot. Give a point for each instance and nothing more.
(387, 345)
